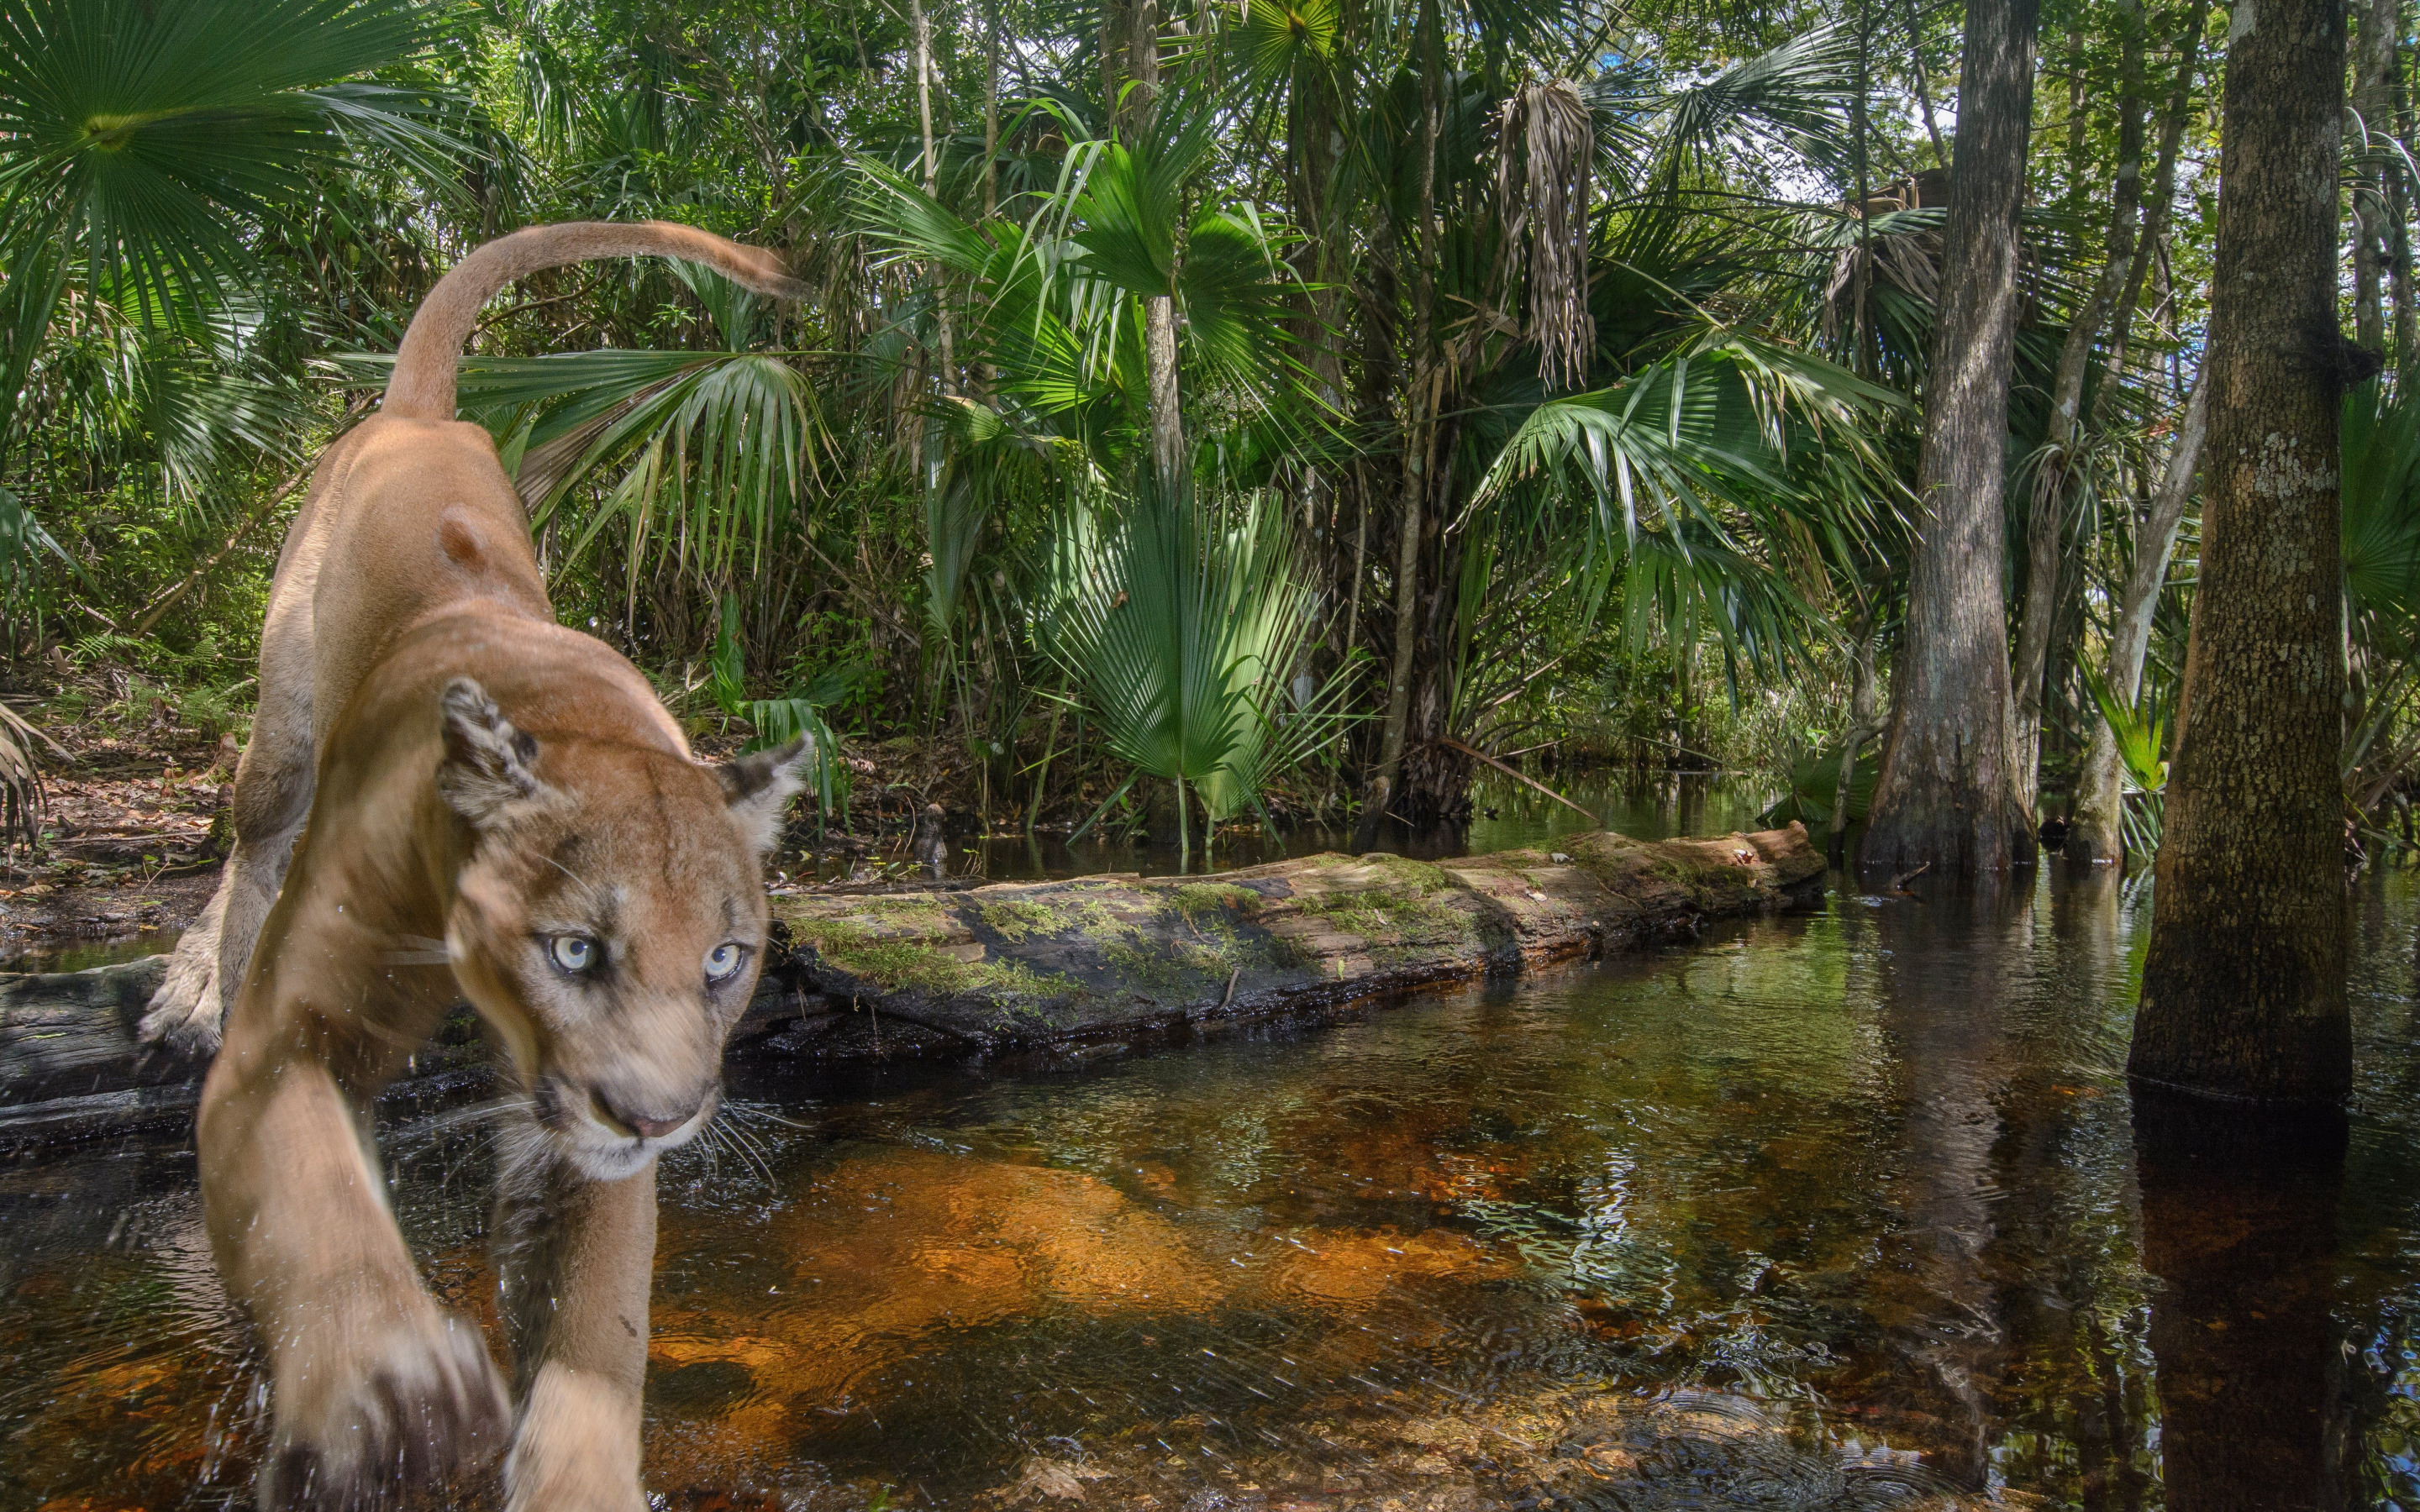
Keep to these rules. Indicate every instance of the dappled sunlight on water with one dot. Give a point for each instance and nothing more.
(1846, 1211)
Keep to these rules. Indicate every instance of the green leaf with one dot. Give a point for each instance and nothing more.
(147, 136)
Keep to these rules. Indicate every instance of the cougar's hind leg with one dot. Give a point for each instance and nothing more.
(272, 797)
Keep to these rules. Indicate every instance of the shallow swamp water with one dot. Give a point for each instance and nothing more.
(1845, 1210)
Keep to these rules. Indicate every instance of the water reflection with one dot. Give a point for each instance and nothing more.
(1846, 1211)
(1505, 815)
(2240, 1211)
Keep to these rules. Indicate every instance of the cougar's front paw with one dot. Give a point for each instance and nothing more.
(420, 1407)
(588, 1487)
(183, 1015)
(576, 1446)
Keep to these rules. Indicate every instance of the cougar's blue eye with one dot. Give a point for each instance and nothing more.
(724, 960)
(574, 952)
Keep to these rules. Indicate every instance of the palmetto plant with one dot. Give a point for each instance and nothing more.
(780, 720)
(2139, 732)
(2380, 447)
(1181, 627)
(143, 146)
(1671, 479)
(1052, 300)
(707, 451)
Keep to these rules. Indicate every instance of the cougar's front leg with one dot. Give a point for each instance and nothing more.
(578, 1260)
(375, 1390)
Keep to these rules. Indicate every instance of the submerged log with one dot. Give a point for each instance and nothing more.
(1025, 963)
(967, 972)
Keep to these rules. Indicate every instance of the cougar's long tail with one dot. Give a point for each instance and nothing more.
(422, 386)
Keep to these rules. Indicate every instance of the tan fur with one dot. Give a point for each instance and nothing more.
(442, 784)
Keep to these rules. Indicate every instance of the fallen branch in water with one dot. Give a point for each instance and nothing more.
(1517, 777)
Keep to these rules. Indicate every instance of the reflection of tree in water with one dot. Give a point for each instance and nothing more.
(2008, 1285)
(2075, 1387)
(2240, 1226)
(1946, 970)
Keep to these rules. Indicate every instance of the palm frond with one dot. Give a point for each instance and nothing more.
(1181, 627)
(146, 136)
(2380, 447)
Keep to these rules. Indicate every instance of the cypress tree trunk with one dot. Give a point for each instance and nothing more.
(1421, 413)
(2096, 825)
(2373, 101)
(1950, 792)
(2044, 532)
(2244, 989)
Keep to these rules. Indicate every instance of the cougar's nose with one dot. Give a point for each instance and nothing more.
(615, 1115)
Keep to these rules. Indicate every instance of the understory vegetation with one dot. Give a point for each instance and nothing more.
(1229, 412)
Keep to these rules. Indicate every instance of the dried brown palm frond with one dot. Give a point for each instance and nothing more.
(1898, 253)
(1542, 157)
(20, 784)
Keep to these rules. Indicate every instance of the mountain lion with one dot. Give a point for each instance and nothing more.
(448, 795)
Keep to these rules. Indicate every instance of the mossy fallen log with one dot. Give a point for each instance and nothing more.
(976, 970)
(1021, 964)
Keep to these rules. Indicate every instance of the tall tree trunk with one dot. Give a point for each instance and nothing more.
(2399, 230)
(1923, 91)
(1379, 309)
(2046, 518)
(2373, 101)
(2398, 274)
(1130, 57)
(1862, 726)
(1311, 165)
(2243, 988)
(2096, 829)
(1167, 410)
(991, 109)
(923, 26)
(1419, 417)
(1159, 310)
(1949, 792)
(2156, 207)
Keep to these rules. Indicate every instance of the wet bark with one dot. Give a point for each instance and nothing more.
(1949, 792)
(2243, 988)
(2095, 830)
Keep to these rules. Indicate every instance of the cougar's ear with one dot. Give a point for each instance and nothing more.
(489, 764)
(758, 787)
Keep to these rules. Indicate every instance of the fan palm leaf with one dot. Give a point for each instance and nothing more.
(149, 138)
(1180, 628)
